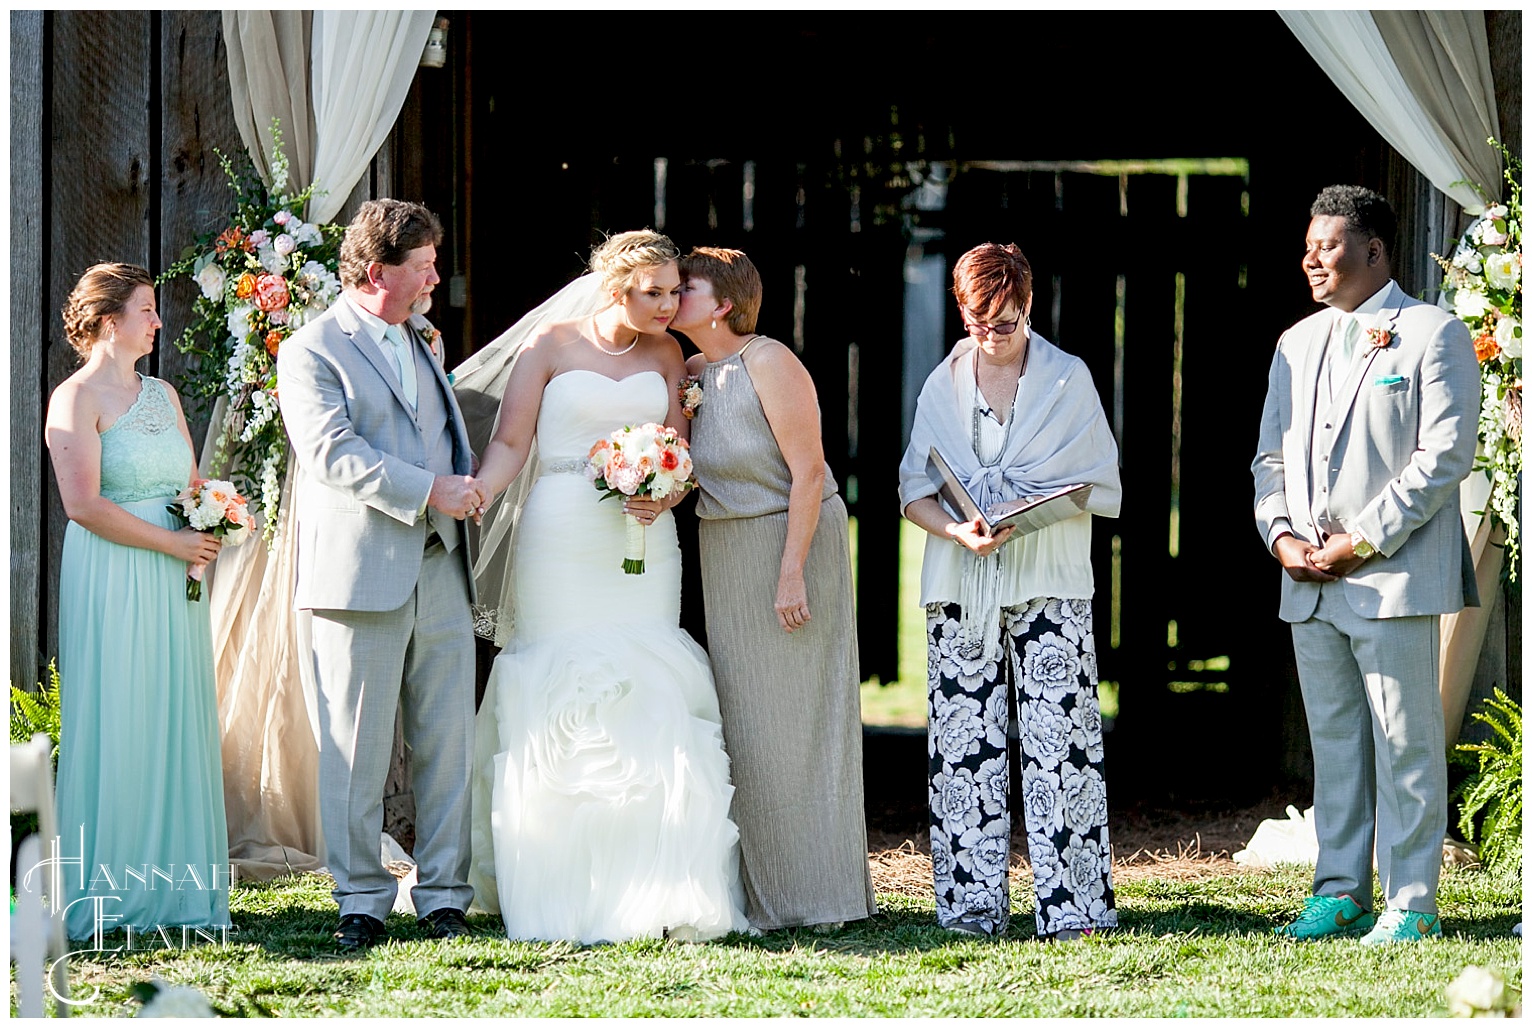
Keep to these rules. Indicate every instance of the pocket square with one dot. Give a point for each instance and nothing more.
(1387, 380)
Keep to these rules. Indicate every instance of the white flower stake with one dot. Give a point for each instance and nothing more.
(651, 462)
(212, 506)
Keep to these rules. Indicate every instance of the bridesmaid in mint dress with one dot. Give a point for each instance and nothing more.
(140, 775)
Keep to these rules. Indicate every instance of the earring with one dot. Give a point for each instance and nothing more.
(715, 323)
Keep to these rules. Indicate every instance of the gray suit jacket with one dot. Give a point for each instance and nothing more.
(1400, 436)
(362, 464)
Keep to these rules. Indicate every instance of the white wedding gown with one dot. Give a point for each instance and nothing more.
(601, 796)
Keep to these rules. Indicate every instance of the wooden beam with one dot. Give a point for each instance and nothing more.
(99, 171)
(27, 332)
(194, 196)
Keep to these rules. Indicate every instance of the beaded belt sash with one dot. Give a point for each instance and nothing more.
(570, 465)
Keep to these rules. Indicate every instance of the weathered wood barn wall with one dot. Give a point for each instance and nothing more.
(527, 162)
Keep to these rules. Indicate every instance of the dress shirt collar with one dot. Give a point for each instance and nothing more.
(1366, 311)
(371, 323)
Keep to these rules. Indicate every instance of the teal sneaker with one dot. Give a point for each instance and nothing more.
(1403, 926)
(1327, 915)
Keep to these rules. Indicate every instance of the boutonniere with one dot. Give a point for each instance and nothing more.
(433, 338)
(1379, 337)
(690, 393)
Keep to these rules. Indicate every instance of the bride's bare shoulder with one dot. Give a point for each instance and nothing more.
(556, 335)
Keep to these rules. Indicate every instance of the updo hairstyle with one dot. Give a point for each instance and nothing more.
(991, 277)
(102, 291)
(627, 253)
(732, 277)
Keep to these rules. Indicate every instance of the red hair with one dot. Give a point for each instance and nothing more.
(991, 277)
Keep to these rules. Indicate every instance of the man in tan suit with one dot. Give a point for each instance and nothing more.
(383, 574)
(1370, 424)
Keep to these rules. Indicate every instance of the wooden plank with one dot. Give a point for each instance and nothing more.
(196, 117)
(98, 170)
(26, 352)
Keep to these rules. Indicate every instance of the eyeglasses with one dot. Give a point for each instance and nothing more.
(999, 330)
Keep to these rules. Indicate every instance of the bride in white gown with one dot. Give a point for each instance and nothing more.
(601, 798)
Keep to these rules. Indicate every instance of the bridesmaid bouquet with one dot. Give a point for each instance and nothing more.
(650, 461)
(212, 505)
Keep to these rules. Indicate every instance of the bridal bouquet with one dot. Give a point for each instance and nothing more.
(651, 462)
(213, 506)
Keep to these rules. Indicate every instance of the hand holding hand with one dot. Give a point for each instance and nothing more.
(1295, 555)
(459, 496)
(792, 604)
(971, 534)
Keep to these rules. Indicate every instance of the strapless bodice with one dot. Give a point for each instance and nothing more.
(580, 407)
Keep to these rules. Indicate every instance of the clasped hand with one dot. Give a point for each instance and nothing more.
(971, 534)
(460, 496)
(1305, 562)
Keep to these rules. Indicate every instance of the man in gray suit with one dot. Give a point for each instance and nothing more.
(383, 576)
(1370, 424)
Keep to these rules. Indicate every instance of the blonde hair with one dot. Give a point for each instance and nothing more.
(732, 277)
(627, 253)
(103, 290)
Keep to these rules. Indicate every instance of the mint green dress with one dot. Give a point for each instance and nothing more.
(140, 771)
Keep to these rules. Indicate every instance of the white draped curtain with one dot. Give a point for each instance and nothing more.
(336, 81)
(1422, 80)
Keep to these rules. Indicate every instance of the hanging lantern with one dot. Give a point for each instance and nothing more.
(435, 54)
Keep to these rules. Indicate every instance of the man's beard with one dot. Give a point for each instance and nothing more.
(422, 304)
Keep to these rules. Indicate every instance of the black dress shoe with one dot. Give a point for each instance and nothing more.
(358, 931)
(445, 923)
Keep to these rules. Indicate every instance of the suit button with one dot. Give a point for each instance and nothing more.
(1327, 424)
(1325, 457)
(420, 464)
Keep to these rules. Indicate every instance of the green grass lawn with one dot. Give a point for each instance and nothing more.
(1198, 949)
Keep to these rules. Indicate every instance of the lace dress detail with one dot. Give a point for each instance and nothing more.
(143, 456)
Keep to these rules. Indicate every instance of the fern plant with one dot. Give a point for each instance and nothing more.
(37, 712)
(1495, 787)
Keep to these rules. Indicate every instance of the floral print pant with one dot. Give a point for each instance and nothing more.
(1049, 651)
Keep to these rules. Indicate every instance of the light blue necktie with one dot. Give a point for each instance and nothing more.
(404, 362)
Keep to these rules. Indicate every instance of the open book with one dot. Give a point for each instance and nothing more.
(1024, 516)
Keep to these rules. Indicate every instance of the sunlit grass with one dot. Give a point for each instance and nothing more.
(902, 702)
(1199, 948)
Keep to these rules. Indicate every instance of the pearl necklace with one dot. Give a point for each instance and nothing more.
(596, 338)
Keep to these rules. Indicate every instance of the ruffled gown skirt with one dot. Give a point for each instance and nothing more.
(601, 801)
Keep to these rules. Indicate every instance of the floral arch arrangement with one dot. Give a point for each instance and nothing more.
(263, 276)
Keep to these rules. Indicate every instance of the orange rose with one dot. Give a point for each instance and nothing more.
(245, 287)
(273, 340)
(1485, 347)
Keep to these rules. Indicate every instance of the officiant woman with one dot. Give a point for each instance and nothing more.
(1015, 417)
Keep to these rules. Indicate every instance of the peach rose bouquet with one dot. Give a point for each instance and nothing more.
(214, 506)
(650, 462)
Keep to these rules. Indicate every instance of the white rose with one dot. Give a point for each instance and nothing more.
(1468, 260)
(212, 279)
(1502, 270)
(308, 235)
(1508, 336)
(1475, 989)
(1470, 303)
(271, 260)
(284, 244)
